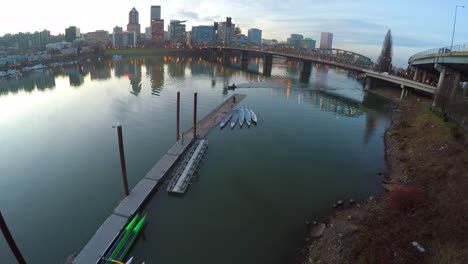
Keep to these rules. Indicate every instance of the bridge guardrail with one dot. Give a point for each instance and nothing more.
(457, 48)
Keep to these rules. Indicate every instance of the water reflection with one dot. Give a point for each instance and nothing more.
(155, 70)
(40, 80)
(100, 71)
(135, 78)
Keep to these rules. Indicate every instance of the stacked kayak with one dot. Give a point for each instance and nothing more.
(243, 115)
(124, 241)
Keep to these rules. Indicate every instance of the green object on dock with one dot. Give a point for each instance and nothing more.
(121, 240)
(130, 240)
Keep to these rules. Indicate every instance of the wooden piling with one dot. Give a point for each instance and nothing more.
(122, 159)
(178, 116)
(9, 238)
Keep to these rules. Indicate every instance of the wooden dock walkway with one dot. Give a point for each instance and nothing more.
(110, 229)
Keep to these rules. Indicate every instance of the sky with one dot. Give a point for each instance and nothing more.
(357, 25)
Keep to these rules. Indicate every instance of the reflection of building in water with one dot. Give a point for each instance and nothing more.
(198, 66)
(371, 124)
(40, 80)
(176, 66)
(155, 69)
(75, 77)
(100, 71)
(135, 77)
(119, 68)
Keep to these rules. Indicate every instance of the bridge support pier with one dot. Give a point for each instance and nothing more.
(442, 70)
(416, 73)
(306, 71)
(368, 84)
(226, 57)
(403, 91)
(424, 77)
(244, 60)
(267, 64)
(456, 85)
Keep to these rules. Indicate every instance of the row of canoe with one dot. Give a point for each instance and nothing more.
(242, 115)
(124, 242)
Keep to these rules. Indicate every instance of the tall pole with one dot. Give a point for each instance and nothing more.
(194, 115)
(178, 116)
(454, 22)
(9, 238)
(122, 159)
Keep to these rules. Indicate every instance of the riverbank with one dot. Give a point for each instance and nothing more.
(422, 216)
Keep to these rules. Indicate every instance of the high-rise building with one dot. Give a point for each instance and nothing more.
(309, 43)
(117, 29)
(157, 25)
(157, 31)
(176, 31)
(296, 40)
(155, 12)
(72, 33)
(326, 40)
(226, 31)
(202, 35)
(40, 39)
(133, 22)
(255, 35)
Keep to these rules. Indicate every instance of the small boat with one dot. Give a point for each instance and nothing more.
(247, 116)
(226, 118)
(130, 240)
(241, 117)
(235, 116)
(253, 116)
(121, 240)
(231, 87)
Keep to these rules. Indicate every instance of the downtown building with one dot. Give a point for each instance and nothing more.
(202, 35)
(255, 35)
(176, 29)
(226, 31)
(98, 38)
(157, 26)
(296, 40)
(133, 22)
(72, 33)
(309, 43)
(326, 40)
(123, 39)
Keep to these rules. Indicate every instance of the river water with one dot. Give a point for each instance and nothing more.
(315, 143)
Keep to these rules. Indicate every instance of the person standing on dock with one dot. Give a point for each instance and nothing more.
(234, 99)
(182, 138)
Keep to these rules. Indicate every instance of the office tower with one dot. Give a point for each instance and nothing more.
(326, 40)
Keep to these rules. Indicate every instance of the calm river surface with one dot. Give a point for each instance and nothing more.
(60, 176)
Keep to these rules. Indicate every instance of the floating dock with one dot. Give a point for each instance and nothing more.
(187, 167)
(127, 208)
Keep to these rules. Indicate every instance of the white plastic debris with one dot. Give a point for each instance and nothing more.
(418, 247)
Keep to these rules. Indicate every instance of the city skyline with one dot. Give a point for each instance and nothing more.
(358, 26)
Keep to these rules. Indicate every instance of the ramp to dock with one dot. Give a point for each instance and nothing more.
(109, 230)
(187, 167)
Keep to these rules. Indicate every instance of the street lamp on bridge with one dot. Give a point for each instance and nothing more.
(454, 22)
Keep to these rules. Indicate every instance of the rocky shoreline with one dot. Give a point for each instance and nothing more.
(391, 229)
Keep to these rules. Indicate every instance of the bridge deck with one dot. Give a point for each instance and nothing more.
(109, 230)
(401, 81)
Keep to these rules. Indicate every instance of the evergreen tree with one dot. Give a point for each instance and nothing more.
(384, 63)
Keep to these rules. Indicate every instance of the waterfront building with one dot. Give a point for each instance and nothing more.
(326, 40)
(309, 43)
(295, 40)
(255, 35)
(226, 32)
(157, 25)
(269, 41)
(72, 33)
(133, 22)
(155, 12)
(97, 38)
(202, 35)
(124, 39)
(176, 29)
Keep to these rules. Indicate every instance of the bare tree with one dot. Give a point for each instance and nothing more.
(384, 63)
